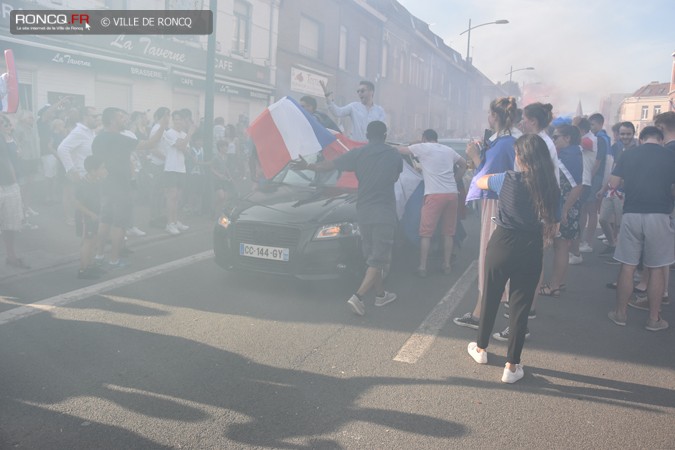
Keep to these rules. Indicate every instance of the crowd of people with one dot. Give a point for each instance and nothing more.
(159, 163)
(541, 183)
(628, 185)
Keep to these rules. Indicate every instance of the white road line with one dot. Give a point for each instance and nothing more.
(418, 344)
(51, 303)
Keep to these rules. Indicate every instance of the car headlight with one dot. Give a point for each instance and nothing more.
(224, 221)
(337, 230)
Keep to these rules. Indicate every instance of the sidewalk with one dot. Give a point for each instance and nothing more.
(54, 243)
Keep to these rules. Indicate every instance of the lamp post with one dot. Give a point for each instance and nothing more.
(468, 38)
(468, 113)
(510, 74)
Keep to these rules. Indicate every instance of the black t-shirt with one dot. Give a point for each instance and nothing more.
(648, 172)
(516, 208)
(115, 149)
(377, 167)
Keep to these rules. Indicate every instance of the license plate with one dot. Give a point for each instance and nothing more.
(263, 252)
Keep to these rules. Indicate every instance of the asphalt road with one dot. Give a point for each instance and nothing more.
(176, 353)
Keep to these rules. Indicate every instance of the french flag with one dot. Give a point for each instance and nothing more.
(342, 145)
(284, 131)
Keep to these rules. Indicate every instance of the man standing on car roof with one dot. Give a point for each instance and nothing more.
(377, 167)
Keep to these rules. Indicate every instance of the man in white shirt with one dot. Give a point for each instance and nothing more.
(75, 148)
(361, 113)
(175, 142)
(441, 166)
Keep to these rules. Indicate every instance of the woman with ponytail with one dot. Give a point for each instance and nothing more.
(528, 212)
(498, 156)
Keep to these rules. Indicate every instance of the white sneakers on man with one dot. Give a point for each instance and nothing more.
(584, 247)
(135, 231)
(171, 229)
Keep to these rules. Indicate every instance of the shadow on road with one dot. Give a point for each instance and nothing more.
(150, 375)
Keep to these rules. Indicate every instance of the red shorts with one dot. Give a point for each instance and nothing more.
(437, 206)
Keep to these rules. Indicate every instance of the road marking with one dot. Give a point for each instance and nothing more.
(418, 344)
(52, 303)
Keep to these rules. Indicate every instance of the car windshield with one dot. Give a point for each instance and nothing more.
(294, 177)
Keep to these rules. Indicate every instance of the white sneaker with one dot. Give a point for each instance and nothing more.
(479, 357)
(602, 237)
(31, 212)
(357, 305)
(584, 247)
(574, 259)
(181, 226)
(512, 377)
(135, 231)
(386, 298)
(171, 229)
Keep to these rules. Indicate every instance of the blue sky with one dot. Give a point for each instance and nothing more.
(585, 49)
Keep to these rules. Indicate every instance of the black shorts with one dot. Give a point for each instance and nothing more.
(117, 210)
(85, 226)
(224, 185)
(377, 241)
(174, 180)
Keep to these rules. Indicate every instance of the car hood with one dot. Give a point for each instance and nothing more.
(293, 205)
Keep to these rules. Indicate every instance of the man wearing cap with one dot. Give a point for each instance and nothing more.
(377, 167)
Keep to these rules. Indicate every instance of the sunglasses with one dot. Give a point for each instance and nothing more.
(360, 91)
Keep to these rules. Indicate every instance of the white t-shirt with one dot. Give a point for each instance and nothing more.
(438, 167)
(154, 157)
(175, 158)
(589, 158)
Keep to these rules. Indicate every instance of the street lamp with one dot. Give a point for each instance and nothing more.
(468, 30)
(510, 74)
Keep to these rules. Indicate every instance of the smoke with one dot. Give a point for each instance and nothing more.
(582, 50)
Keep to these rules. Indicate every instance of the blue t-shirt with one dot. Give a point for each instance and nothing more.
(498, 158)
(571, 164)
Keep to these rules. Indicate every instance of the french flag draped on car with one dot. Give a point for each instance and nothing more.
(284, 131)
